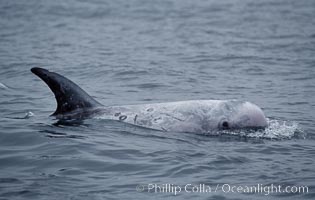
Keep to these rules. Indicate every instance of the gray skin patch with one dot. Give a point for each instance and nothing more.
(157, 120)
(135, 119)
(150, 109)
(122, 117)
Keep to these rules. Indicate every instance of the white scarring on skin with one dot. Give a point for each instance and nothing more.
(200, 116)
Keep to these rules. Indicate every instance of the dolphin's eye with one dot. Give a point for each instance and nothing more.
(225, 124)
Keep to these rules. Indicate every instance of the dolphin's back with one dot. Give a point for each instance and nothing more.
(182, 116)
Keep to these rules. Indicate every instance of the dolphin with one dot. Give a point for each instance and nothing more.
(195, 116)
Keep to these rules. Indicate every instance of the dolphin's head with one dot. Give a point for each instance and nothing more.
(243, 115)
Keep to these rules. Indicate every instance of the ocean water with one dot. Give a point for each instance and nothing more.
(145, 51)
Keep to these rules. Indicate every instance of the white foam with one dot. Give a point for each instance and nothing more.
(276, 129)
(280, 129)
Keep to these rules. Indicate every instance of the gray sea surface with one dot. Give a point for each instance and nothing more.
(145, 51)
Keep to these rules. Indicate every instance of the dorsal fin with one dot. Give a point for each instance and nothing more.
(69, 96)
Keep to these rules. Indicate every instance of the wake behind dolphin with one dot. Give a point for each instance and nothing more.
(196, 116)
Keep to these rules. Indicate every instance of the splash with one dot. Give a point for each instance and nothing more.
(28, 115)
(282, 130)
(276, 129)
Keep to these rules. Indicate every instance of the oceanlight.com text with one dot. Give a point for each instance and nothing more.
(222, 188)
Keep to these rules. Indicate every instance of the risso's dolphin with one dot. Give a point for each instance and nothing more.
(197, 116)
